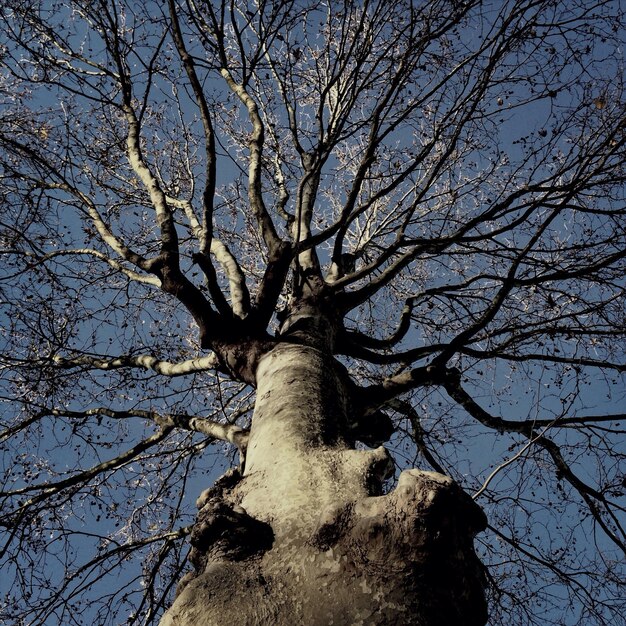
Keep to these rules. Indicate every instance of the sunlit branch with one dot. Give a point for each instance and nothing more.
(164, 218)
(283, 191)
(216, 430)
(20, 426)
(508, 462)
(240, 297)
(105, 233)
(63, 184)
(255, 196)
(195, 423)
(240, 300)
(167, 265)
(169, 238)
(279, 252)
(116, 265)
(166, 368)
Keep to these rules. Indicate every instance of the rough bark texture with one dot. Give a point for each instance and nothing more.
(306, 536)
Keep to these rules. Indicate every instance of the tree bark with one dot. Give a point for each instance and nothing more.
(306, 535)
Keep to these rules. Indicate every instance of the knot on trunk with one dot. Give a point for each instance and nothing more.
(373, 429)
(422, 532)
(225, 532)
(222, 486)
(425, 507)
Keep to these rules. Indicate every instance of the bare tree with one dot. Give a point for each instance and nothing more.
(302, 230)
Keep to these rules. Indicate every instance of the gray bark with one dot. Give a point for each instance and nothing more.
(306, 536)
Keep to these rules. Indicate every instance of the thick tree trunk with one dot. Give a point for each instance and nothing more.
(306, 536)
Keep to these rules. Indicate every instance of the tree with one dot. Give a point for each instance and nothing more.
(307, 229)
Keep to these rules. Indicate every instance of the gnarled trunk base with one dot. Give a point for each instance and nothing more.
(304, 537)
(401, 558)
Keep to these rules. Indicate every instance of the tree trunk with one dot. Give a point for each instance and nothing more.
(306, 535)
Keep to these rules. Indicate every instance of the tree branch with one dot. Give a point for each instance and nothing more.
(239, 294)
(116, 265)
(206, 233)
(452, 384)
(230, 433)
(48, 489)
(255, 195)
(166, 368)
(106, 235)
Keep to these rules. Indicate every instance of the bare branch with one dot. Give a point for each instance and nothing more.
(255, 195)
(240, 297)
(116, 265)
(216, 430)
(166, 368)
(528, 427)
